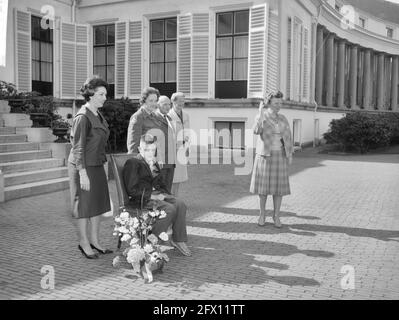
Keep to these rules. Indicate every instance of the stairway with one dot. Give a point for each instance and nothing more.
(27, 169)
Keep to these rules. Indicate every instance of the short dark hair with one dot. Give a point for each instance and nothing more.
(146, 92)
(90, 86)
(148, 138)
(273, 94)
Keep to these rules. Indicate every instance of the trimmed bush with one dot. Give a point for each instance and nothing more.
(361, 132)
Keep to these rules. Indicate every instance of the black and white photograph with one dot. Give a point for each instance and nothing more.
(218, 151)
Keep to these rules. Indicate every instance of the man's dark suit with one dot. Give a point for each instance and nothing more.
(142, 122)
(138, 178)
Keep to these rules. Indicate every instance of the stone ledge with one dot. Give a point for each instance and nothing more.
(18, 120)
(58, 150)
(37, 134)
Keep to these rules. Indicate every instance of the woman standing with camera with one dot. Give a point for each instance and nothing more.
(273, 154)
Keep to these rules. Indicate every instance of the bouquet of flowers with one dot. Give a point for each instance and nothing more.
(143, 251)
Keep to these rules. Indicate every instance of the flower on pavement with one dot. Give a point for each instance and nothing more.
(163, 236)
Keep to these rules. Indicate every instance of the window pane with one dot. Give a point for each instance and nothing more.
(35, 50)
(99, 35)
(170, 51)
(238, 134)
(240, 69)
(110, 74)
(157, 70)
(224, 23)
(241, 47)
(170, 72)
(157, 54)
(35, 23)
(46, 52)
(35, 71)
(111, 56)
(99, 56)
(111, 34)
(222, 134)
(45, 34)
(157, 30)
(241, 22)
(223, 48)
(171, 29)
(223, 70)
(100, 71)
(46, 72)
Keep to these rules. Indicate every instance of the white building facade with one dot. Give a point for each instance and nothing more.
(223, 54)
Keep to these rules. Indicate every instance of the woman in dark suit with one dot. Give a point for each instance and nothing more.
(88, 181)
(273, 154)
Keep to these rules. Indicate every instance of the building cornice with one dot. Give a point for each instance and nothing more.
(355, 34)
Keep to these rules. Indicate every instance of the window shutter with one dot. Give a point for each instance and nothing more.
(68, 60)
(273, 52)
(120, 59)
(296, 60)
(135, 57)
(200, 55)
(23, 56)
(257, 51)
(184, 32)
(306, 64)
(82, 56)
(289, 59)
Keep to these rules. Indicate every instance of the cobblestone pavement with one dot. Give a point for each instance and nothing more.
(343, 211)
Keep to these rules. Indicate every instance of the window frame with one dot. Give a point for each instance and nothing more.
(235, 84)
(163, 41)
(106, 45)
(39, 85)
(231, 146)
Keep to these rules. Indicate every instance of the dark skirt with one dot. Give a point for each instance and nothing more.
(270, 174)
(96, 201)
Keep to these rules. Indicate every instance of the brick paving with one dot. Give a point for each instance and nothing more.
(343, 211)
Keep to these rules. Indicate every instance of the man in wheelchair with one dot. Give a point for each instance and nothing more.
(143, 173)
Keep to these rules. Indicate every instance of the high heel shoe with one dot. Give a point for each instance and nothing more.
(88, 256)
(106, 251)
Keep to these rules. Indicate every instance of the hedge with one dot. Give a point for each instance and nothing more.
(360, 132)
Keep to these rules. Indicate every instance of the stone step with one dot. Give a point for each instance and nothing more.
(7, 130)
(31, 165)
(12, 179)
(9, 138)
(24, 155)
(35, 188)
(19, 146)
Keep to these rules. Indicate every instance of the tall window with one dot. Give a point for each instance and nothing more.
(362, 22)
(232, 54)
(42, 58)
(104, 55)
(163, 43)
(389, 32)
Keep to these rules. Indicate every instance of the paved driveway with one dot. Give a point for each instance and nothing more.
(340, 239)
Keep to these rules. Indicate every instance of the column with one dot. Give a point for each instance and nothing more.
(353, 77)
(380, 81)
(394, 83)
(341, 74)
(319, 65)
(367, 80)
(329, 69)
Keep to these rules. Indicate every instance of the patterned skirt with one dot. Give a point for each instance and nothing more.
(270, 174)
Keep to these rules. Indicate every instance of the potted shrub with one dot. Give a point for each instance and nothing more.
(7, 90)
(41, 111)
(60, 129)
